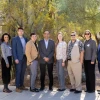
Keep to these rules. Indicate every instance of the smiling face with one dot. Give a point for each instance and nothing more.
(87, 35)
(20, 32)
(34, 38)
(73, 36)
(60, 37)
(46, 35)
(6, 38)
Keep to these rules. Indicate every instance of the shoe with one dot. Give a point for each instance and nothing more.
(9, 90)
(41, 89)
(34, 90)
(50, 89)
(61, 89)
(98, 90)
(86, 90)
(6, 91)
(18, 90)
(91, 91)
(77, 91)
(23, 88)
(72, 90)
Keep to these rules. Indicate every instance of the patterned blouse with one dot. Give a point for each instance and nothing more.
(61, 51)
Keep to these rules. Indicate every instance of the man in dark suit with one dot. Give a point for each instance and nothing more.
(46, 51)
(18, 50)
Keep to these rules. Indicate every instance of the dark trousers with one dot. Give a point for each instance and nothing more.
(6, 71)
(99, 66)
(43, 72)
(90, 75)
(20, 72)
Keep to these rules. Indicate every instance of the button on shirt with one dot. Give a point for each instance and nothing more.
(23, 43)
(46, 43)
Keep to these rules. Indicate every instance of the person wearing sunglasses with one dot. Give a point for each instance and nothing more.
(75, 60)
(89, 61)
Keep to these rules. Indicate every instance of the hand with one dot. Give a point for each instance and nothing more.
(17, 61)
(31, 63)
(81, 62)
(46, 59)
(7, 65)
(92, 62)
(63, 64)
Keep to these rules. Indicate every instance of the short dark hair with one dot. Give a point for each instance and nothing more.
(20, 28)
(32, 34)
(2, 38)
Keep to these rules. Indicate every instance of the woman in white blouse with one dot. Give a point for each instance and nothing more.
(61, 56)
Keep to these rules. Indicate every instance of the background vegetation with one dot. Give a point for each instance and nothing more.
(53, 15)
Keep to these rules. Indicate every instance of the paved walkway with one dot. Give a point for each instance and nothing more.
(47, 95)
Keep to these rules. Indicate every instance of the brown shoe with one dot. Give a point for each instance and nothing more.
(18, 90)
(23, 88)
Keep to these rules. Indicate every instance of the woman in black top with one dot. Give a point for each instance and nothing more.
(89, 61)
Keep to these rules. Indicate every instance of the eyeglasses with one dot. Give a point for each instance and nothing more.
(73, 35)
(87, 33)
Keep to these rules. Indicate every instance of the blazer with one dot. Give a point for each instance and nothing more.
(98, 54)
(49, 52)
(17, 48)
(31, 52)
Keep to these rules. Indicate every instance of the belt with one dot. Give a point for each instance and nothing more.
(69, 59)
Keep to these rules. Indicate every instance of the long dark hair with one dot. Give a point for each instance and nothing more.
(2, 38)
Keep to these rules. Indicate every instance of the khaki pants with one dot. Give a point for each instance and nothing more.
(75, 74)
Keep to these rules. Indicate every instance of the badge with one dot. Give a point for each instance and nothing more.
(88, 45)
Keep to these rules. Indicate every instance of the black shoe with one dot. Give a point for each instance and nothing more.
(50, 89)
(61, 89)
(91, 91)
(77, 91)
(41, 89)
(72, 90)
(98, 90)
(34, 90)
(86, 90)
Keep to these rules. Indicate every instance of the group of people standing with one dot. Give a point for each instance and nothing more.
(30, 54)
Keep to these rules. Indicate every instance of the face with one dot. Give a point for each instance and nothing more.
(34, 38)
(73, 36)
(46, 35)
(87, 35)
(60, 37)
(6, 38)
(20, 32)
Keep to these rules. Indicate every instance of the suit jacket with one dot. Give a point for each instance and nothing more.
(31, 52)
(17, 48)
(49, 52)
(98, 55)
